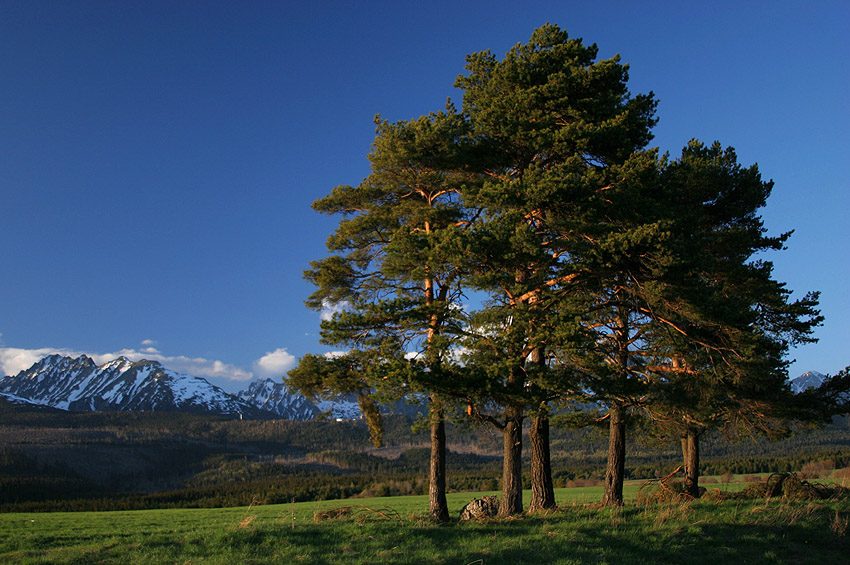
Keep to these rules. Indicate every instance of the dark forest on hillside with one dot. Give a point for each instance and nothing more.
(54, 460)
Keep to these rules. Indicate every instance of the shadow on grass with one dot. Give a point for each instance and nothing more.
(532, 541)
(678, 534)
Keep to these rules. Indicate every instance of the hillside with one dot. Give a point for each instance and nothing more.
(58, 459)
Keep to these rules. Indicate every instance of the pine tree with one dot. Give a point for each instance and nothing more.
(621, 264)
(320, 377)
(726, 324)
(550, 121)
(397, 271)
(607, 273)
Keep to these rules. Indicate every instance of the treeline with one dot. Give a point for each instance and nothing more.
(241, 483)
(22, 425)
(776, 464)
(212, 463)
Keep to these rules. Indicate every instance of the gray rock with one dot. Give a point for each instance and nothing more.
(479, 508)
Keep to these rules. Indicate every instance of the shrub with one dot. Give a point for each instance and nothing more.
(817, 469)
(660, 491)
(841, 474)
(791, 486)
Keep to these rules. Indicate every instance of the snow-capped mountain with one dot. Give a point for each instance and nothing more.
(276, 397)
(80, 384)
(809, 379)
(344, 407)
(18, 401)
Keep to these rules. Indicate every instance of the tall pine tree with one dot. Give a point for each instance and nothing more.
(397, 267)
(550, 120)
(726, 325)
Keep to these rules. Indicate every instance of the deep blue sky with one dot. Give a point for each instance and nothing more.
(158, 159)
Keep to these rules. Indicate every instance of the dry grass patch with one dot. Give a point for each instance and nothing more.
(839, 524)
(789, 486)
(357, 513)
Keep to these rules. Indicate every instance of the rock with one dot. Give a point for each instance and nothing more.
(479, 508)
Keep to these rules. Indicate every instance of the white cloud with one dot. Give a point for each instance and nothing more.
(455, 355)
(330, 308)
(195, 366)
(149, 347)
(274, 364)
(334, 354)
(14, 360)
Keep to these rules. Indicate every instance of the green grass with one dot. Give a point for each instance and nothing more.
(777, 531)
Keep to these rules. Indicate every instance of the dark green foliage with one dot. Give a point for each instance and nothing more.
(325, 378)
(395, 276)
(554, 127)
(397, 245)
(213, 462)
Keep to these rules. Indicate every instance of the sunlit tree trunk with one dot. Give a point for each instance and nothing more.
(615, 472)
(438, 508)
(690, 453)
(511, 501)
(542, 489)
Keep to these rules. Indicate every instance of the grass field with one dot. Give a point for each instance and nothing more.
(393, 530)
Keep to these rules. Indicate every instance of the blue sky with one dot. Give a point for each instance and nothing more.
(158, 159)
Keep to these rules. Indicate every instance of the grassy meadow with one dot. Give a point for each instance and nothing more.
(394, 530)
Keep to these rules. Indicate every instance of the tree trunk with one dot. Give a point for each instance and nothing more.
(438, 507)
(691, 455)
(616, 470)
(511, 502)
(542, 489)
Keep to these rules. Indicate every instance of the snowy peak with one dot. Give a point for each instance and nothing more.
(276, 397)
(54, 381)
(119, 385)
(122, 364)
(57, 361)
(809, 379)
(344, 408)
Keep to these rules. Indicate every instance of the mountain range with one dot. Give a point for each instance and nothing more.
(81, 385)
(120, 385)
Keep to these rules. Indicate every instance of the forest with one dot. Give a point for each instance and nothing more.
(60, 461)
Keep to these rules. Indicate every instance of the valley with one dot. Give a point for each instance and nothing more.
(59, 460)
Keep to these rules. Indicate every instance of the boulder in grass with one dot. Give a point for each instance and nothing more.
(479, 508)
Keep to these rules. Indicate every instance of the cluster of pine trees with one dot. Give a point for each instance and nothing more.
(529, 253)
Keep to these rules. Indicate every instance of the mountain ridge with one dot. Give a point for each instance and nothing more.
(276, 397)
(79, 384)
